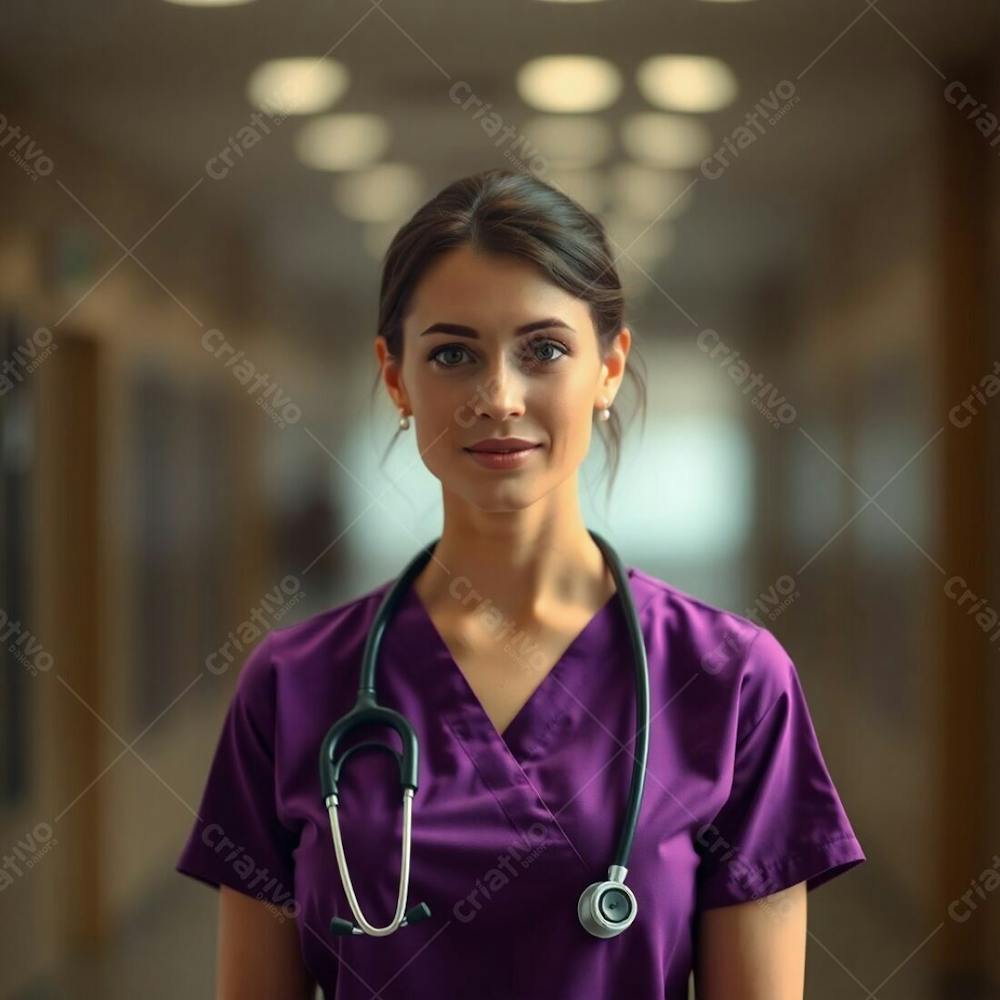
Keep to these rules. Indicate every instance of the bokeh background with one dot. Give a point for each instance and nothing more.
(803, 200)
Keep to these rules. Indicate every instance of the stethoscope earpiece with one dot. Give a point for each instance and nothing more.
(607, 908)
(338, 925)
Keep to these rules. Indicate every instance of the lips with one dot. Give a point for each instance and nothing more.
(500, 446)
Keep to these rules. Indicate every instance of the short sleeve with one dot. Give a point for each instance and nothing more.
(238, 838)
(783, 822)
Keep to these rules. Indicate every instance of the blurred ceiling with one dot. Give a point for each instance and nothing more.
(164, 86)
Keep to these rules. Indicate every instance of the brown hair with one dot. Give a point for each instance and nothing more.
(510, 212)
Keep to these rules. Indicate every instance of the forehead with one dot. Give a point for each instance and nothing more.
(490, 292)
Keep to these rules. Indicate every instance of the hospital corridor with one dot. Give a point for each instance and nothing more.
(208, 211)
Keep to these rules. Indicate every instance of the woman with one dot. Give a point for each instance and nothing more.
(501, 325)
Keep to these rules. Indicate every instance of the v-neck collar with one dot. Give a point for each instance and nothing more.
(528, 732)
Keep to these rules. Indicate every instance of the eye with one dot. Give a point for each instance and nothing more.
(543, 343)
(436, 355)
(535, 348)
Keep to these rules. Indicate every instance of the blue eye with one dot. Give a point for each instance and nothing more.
(550, 343)
(435, 356)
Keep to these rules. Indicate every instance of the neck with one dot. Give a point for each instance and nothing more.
(530, 564)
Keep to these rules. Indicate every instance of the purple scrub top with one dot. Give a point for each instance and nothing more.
(509, 829)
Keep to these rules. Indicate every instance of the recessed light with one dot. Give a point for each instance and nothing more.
(666, 140)
(297, 86)
(379, 194)
(686, 83)
(644, 192)
(342, 141)
(587, 187)
(569, 83)
(208, 3)
(570, 141)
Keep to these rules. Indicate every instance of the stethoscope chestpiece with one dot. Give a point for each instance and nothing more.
(607, 908)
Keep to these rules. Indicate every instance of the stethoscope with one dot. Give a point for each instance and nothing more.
(605, 908)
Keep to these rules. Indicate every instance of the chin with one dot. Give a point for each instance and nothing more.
(501, 498)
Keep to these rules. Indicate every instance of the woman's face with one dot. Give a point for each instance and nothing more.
(470, 372)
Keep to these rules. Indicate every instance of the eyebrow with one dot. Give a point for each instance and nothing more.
(458, 330)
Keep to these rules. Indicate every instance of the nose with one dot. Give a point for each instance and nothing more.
(501, 395)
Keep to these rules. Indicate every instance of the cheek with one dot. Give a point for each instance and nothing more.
(569, 422)
(438, 400)
(447, 422)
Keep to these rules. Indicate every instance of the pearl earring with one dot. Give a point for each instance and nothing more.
(404, 422)
(605, 413)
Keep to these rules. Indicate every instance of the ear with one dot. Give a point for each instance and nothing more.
(391, 373)
(613, 366)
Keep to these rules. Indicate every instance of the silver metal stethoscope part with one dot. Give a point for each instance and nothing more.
(607, 908)
(364, 927)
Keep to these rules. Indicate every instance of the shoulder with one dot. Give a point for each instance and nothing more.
(295, 653)
(714, 632)
(738, 660)
(323, 622)
(341, 626)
